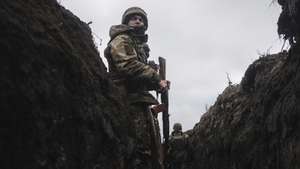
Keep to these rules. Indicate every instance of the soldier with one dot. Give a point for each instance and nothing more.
(127, 54)
(178, 148)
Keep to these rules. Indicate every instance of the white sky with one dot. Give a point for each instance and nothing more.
(201, 40)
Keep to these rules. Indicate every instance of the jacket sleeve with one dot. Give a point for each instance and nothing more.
(126, 62)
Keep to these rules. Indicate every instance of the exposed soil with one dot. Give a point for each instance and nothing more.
(59, 109)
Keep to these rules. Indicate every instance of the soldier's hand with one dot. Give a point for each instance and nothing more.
(164, 85)
(158, 108)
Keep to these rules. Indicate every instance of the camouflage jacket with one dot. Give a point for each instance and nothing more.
(127, 56)
(178, 150)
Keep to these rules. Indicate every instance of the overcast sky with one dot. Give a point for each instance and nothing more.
(201, 40)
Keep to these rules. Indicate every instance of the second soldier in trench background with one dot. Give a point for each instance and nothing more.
(127, 54)
(178, 148)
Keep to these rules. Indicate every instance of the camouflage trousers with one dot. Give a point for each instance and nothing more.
(177, 159)
(144, 155)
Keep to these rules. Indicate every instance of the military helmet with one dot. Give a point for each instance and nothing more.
(137, 11)
(177, 127)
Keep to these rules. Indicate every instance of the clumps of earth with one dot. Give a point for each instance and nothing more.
(59, 109)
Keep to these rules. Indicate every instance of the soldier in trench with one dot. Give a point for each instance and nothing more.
(178, 148)
(127, 53)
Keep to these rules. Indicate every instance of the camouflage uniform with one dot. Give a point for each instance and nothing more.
(178, 148)
(127, 54)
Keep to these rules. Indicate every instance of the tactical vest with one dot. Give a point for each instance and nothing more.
(137, 92)
(178, 142)
(141, 48)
